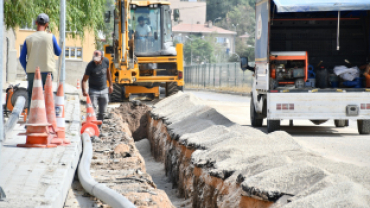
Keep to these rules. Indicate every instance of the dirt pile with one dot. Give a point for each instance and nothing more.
(220, 164)
(118, 164)
(134, 115)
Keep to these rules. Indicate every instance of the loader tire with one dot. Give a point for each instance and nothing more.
(273, 125)
(340, 123)
(171, 88)
(255, 121)
(363, 126)
(117, 95)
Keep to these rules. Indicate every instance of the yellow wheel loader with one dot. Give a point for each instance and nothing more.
(143, 57)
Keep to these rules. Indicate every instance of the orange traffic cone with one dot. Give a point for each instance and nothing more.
(50, 110)
(78, 84)
(38, 134)
(91, 121)
(59, 111)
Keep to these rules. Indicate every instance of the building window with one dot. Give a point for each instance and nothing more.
(220, 40)
(73, 53)
(28, 25)
(180, 39)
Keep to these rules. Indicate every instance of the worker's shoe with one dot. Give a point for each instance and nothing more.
(108, 116)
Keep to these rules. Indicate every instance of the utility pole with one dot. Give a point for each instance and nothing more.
(235, 26)
(62, 37)
(2, 194)
(191, 50)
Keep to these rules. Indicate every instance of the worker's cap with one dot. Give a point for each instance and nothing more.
(43, 18)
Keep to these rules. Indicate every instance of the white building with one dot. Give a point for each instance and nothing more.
(191, 11)
(226, 38)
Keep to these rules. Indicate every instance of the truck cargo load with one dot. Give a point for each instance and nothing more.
(312, 60)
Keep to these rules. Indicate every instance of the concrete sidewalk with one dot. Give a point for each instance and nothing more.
(33, 177)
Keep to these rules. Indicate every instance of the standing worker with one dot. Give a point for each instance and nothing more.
(97, 72)
(39, 50)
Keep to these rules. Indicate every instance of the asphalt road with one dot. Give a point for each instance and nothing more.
(339, 144)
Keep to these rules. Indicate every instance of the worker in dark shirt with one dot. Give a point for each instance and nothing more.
(97, 72)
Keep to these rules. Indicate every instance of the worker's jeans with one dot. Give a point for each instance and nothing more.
(30, 77)
(99, 98)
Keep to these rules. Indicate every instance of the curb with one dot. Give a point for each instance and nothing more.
(217, 91)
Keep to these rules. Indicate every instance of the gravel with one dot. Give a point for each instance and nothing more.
(268, 166)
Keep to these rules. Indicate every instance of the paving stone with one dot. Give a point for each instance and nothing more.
(38, 177)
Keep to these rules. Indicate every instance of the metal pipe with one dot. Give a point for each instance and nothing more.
(14, 117)
(62, 37)
(100, 191)
(2, 194)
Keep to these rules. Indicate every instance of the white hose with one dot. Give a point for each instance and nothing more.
(100, 191)
(14, 117)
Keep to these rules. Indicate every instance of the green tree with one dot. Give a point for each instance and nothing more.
(199, 50)
(80, 14)
(220, 8)
(240, 13)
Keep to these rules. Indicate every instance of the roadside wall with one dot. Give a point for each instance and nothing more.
(9, 57)
(74, 70)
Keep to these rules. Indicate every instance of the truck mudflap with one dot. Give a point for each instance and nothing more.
(318, 106)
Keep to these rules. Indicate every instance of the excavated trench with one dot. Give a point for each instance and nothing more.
(212, 162)
(195, 182)
(118, 164)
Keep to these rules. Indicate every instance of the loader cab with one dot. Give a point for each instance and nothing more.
(150, 29)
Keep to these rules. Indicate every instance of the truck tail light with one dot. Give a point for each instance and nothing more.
(180, 75)
(285, 106)
(365, 106)
(278, 106)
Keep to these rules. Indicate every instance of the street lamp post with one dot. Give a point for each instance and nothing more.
(2, 73)
(62, 33)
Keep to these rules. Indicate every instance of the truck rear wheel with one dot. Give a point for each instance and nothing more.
(363, 126)
(273, 125)
(318, 122)
(340, 123)
(172, 88)
(255, 121)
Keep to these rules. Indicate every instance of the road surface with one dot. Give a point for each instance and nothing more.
(339, 144)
